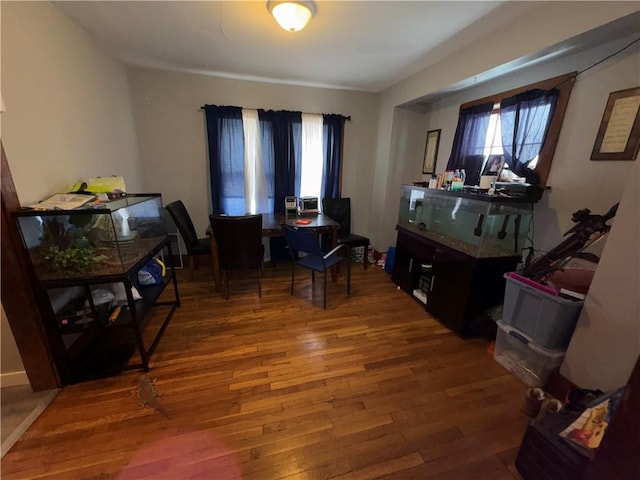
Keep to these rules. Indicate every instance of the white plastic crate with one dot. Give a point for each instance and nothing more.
(522, 356)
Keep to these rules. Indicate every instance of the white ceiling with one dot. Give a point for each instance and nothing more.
(366, 46)
(356, 45)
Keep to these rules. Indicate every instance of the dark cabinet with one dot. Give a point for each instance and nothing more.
(543, 454)
(404, 274)
(451, 284)
(459, 288)
(453, 249)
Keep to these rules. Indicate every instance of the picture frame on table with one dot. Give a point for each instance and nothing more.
(618, 137)
(431, 151)
(494, 165)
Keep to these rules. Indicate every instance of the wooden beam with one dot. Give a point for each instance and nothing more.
(18, 297)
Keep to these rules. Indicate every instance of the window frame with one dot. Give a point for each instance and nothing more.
(564, 84)
(288, 157)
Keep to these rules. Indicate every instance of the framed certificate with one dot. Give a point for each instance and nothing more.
(431, 151)
(619, 134)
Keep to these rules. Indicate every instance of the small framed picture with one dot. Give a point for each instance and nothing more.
(619, 135)
(431, 151)
(494, 165)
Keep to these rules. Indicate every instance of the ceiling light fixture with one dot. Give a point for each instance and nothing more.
(293, 16)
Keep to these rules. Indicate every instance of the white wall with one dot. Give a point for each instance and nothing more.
(172, 133)
(606, 342)
(68, 116)
(11, 366)
(408, 138)
(68, 112)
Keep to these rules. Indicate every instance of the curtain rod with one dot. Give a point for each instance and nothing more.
(345, 117)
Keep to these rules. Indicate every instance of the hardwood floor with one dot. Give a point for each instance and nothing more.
(278, 388)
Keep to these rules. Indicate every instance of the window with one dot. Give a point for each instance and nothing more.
(493, 140)
(523, 125)
(258, 157)
(493, 152)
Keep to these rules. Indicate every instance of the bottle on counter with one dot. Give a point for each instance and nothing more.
(456, 183)
(448, 178)
(433, 182)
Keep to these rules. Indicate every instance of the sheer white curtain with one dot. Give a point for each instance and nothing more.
(312, 156)
(255, 183)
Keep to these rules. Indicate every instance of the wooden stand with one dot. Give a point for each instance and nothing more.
(461, 287)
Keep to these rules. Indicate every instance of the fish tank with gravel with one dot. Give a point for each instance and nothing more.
(94, 240)
(476, 224)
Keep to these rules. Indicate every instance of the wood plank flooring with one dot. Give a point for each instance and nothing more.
(278, 388)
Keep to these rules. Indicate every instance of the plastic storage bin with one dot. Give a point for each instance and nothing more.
(548, 320)
(391, 260)
(523, 357)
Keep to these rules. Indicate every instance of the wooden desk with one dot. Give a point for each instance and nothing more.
(272, 227)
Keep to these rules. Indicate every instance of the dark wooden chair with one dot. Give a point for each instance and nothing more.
(239, 241)
(339, 209)
(195, 246)
(302, 240)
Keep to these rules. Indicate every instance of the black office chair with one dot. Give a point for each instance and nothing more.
(239, 241)
(339, 209)
(195, 246)
(302, 240)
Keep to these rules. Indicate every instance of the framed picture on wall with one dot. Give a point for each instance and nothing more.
(619, 135)
(431, 151)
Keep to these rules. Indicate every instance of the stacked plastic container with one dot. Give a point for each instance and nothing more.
(535, 330)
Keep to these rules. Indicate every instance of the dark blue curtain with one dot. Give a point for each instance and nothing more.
(471, 134)
(281, 137)
(226, 159)
(525, 120)
(285, 146)
(296, 128)
(268, 157)
(332, 131)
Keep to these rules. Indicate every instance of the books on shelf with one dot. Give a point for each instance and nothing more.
(63, 201)
(585, 432)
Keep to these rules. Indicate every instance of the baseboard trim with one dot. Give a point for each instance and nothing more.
(26, 423)
(13, 379)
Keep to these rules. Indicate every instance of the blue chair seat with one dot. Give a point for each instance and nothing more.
(317, 263)
(305, 241)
